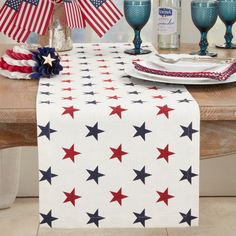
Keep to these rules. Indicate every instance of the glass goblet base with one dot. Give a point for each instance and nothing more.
(209, 54)
(233, 46)
(135, 52)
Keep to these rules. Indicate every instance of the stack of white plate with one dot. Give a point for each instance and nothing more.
(153, 62)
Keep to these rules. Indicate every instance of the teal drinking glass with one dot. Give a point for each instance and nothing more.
(204, 16)
(227, 13)
(137, 14)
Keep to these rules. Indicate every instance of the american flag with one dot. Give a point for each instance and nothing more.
(101, 15)
(35, 15)
(74, 15)
(8, 15)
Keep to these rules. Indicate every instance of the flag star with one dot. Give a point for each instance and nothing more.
(188, 131)
(141, 175)
(164, 110)
(70, 153)
(185, 100)
(118, 111)
(118, 153)
(48, 218)
(165, 153)
(71, 197)
(95, 218)
(70, 111)
(164, 196)
(113, 97)
(158, 97)
(48, 59)
(187, 218)
(141, 218)
(188, 175)
(47, 175)
(141, 131)
(46, 130)
(118, 196)
(94, 175)
(94, 131)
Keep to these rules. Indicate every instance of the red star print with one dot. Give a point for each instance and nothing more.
(118, 111)
(164, 110)
(136, 60)
(67, 89)
(165, 153)
(118, 196)
(68, 98)
(101, 60)
(164, 196)
(111, 88)
(70, 153)
(118, 153)
(105, 67)
(107, 80)
(70, 110)
(67, 81)
(158, 97)
(71, 197)
(153, 88)
(114, 97)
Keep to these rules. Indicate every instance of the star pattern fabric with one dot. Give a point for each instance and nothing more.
(115, 151)
(47, 175)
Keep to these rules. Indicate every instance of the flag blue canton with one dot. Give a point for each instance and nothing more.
(69, 1)
(14, 4)
(33, 2)
(97, 3)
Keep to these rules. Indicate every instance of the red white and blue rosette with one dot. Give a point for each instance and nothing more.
(21, 63)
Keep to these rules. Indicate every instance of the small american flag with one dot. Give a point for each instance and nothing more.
(8, 15)
(35, 15)
(74, 15)
(101, 15)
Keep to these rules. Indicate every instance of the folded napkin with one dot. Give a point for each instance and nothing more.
(219, 75)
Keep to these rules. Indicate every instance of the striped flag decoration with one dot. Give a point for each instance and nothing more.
(101, 15)
(74, 15)
(35, 15)
(8, 15)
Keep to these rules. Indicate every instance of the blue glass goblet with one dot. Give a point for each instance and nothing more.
(204, 16)
(227, 13)
(137, 14)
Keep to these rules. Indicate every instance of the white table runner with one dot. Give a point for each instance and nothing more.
(115, 151)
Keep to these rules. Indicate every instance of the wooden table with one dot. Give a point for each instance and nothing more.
(217, 106)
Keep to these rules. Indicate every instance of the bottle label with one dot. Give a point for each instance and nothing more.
(167, 21)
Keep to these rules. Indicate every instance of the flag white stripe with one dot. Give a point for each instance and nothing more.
(45, 20)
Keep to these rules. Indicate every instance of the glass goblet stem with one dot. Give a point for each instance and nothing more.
(137, 41)
(228, 36)
(203, 44)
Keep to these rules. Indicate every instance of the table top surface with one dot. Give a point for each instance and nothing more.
(18, 97)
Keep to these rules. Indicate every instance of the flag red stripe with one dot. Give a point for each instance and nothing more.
(116, 8)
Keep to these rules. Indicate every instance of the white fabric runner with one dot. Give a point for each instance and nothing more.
(114, 151)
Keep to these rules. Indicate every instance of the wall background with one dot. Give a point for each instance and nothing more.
(217, 175)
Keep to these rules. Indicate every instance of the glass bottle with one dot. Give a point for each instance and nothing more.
(169, 24)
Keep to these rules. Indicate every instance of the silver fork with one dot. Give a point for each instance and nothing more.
(196, 59)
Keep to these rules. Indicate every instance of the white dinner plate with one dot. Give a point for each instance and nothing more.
(183, 66)
(130, 70)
